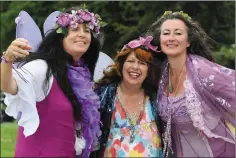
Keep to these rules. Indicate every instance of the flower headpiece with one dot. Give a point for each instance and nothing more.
(146, 42)
(76, 17)
(166, 13)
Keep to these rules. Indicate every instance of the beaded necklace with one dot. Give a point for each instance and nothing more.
(167, 134)
(131, 120)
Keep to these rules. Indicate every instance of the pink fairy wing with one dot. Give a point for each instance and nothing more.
(26, 28)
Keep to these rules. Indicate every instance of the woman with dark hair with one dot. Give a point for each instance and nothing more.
(196, 96)
(128, 103)
(52, 90)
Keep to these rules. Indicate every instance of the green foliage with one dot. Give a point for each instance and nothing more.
(226, 56)
(128, 19)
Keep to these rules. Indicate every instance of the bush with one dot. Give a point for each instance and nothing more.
(225, 56)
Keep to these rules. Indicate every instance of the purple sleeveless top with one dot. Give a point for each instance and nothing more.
(55, 134)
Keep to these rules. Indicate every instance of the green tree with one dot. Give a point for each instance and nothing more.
(129, 19)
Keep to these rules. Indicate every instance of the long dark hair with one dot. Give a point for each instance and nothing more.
(200, 43)
(114, 72)
(52, 51)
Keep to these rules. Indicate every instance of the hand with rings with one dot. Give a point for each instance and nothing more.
(17, 49)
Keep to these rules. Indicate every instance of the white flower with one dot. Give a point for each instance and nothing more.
(18, 20)
(211, 77)
(79, 145)
(73, 12)
(195, 62)
(215, 68)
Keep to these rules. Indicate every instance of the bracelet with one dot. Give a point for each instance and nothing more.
(4, 60)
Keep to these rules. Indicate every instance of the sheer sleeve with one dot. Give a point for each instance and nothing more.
(219, 81)
(30, 79)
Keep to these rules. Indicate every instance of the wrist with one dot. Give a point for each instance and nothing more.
(4, 59)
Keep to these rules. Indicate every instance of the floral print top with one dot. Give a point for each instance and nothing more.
(146, 142)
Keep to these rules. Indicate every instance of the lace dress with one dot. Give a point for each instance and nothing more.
(188, 142)
(196, 120)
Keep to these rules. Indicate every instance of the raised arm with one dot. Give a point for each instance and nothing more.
(17, 49)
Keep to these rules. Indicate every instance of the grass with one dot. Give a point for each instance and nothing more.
(8, 139)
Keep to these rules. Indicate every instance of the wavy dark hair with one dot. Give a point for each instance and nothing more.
(52, 51)
(114, 72)
(200, 43)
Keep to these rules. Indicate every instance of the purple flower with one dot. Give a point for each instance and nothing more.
(91, 26)
(97, 30)
(73, 24)
(94, 21)
(86, 16)
(79, 11)
(80, 21)
(63, 20)
(75, 18)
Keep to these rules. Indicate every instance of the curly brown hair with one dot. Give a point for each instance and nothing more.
(113, 74)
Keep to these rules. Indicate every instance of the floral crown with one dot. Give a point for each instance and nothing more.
(145, 42)
(185, 15)
(76, 17)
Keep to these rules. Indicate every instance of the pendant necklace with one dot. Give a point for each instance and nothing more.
(131, 118)
(167, 135)
(170, 86)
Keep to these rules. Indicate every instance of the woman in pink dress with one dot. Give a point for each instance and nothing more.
(51, 91)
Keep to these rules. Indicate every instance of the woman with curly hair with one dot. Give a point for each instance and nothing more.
(128, 103)
(196, 96)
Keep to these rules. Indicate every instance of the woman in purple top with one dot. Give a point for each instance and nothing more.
(52, 90)
(196, 96)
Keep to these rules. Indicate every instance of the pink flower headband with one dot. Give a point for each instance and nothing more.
(146, 42)
(80, 16)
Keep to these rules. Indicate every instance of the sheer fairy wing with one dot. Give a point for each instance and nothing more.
(103, 62)
(26, 28)
(50, 22)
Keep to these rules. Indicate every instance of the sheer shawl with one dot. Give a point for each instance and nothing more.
(209, 93)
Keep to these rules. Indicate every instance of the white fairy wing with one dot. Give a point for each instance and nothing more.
(26, 28)
(50, 22)
(103, 62)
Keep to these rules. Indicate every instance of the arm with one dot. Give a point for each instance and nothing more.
(219, 81)
(29, 79)
(8, 83)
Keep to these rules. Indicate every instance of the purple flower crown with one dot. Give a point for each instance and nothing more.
(80, 16)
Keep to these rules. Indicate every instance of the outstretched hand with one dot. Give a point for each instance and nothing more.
(17, 49)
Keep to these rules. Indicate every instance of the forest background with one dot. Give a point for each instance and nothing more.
(128, 19)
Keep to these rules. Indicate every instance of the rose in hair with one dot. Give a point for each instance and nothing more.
(63, 20)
